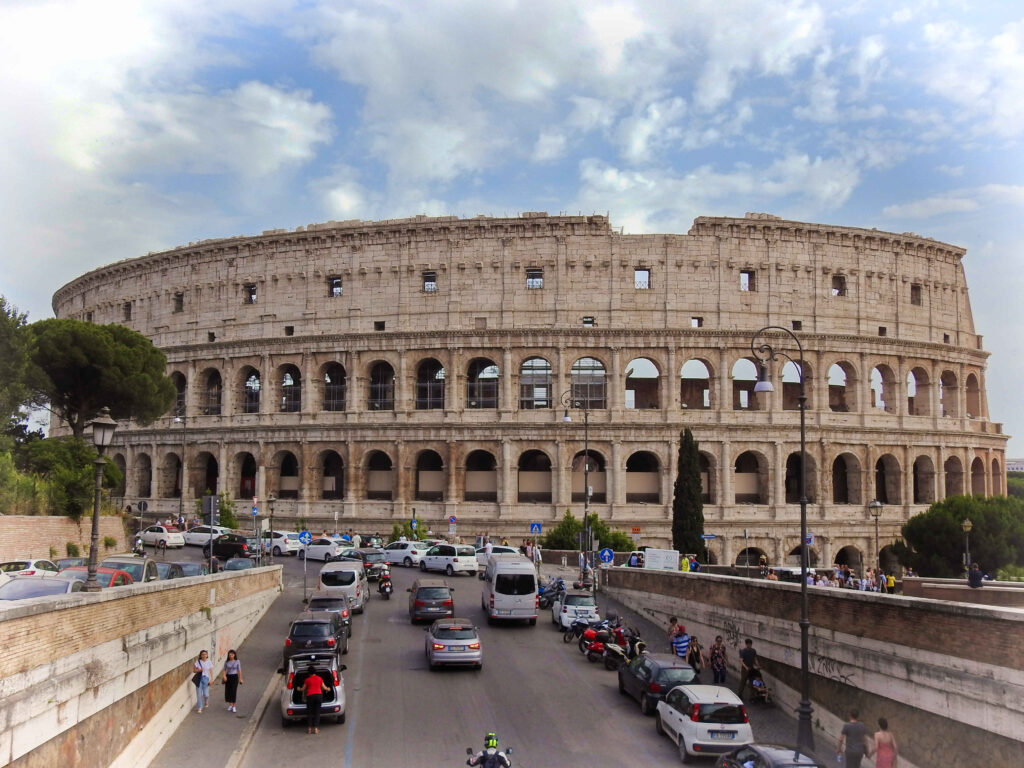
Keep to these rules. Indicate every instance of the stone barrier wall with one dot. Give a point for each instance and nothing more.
(34, 535)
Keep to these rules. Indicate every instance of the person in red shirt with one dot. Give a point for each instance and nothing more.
(313, 689)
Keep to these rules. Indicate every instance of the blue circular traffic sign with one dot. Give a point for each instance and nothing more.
(452, 519)
(305, 537)
(606, 555)
(414, 524)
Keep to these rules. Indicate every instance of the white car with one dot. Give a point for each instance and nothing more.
(407, 553)
(281, 542)
(496, 549)
(321, 548)
(162, 536)
(571, 605)
(200, 535)
(28, 567)
(450, 558)
(703, 720)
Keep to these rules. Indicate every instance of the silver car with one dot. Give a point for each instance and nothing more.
(293, 700)
(453, 642)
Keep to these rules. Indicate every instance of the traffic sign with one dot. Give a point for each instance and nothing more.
(606, 555)
(305, 537)
(707, 536)
(143, 506)
(414, 524)
(255, 506)
(809, 541)
(535, 528)
(452, 519)
(451, 528)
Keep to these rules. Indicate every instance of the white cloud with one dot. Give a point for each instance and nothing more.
(950, 170)
(550, 146)
(653, 127)
(930, 206)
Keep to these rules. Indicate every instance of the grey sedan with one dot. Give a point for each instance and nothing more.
(453, 642)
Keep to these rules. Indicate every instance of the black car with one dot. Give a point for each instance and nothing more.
(170, 570)
(373, 560)
(336, 605)
(648, 677)
(228, 545)
(313, 632)
(768, 756)
(190, 568)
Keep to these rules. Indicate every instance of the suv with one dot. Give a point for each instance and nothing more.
(450, 558)
(228, 545)
(280, 543)
(373, 559)
(431, 599)
(407, 553)
(316, 632)
(650, 676)
(297, 669)
(703, 720)
(141, 569)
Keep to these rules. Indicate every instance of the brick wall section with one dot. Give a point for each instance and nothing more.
(33, 535)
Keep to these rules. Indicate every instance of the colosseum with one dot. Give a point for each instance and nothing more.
(363, 372)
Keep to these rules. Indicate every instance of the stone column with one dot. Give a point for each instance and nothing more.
(616, 396)
(401, 475)
(777, 480)
(405, 389)
(670, 381)
(561, 377)
(617, 497)
(452, 494)
(724, 382)
(308, 390)
(507, 382)
(668, 477)
(561, 479)
(725, 467)
(506, 492)
(455, 383)
(224, 477)
(267, 386)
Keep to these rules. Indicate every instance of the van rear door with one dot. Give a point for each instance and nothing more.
(515, 594)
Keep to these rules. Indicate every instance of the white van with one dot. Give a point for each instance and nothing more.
(510, 589)
(345, 578)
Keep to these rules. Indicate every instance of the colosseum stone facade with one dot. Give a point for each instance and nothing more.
(358, 371)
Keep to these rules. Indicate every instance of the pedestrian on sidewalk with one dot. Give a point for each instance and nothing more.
(719, 661)
(748, 663)
(696, 658)
(202, 667)
(853, 741)
(681, 643)
(232, 678)
(886, 751)
(313, 689)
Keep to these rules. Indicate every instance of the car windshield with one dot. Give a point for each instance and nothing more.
(433, 593)
(580, 600)
(311, 629)
(375, 557)
(465, 552)
(237, 564)
(191, 569)
(327, 604)
(292, 536)
(676, 676)
(515, 584)
(19, 589)
(727, 714)
(133, 569)
(337, 578)
(455, 633)
(17, 565)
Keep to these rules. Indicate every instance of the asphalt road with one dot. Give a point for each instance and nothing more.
(538, 694)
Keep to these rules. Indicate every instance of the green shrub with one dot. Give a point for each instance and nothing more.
(72, 549)
(53, 553)
(109, 542)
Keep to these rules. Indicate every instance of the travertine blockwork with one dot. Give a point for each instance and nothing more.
(358, 370)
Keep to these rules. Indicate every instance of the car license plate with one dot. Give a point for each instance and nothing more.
(456, 647)
(723, 735)
(505, 613)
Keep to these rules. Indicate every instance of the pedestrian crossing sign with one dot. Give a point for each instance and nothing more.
(534, 528)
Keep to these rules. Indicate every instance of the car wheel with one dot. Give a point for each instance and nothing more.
(277, 551)
(657, 724)
(647, 706)
(622, 688)
(302, 554)
(285, 722)
(344, 651)
(479, 666)
(684, 755)
(341, 717)
(407, 562)
(490, 620)
(423, 566)
(448, 570)
(533, 622)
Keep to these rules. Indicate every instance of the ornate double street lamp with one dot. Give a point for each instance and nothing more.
(102, 433)
(180, 419)
(764, 352)
(875, 507)
(568, 401)
(966, 526)
(270, 502)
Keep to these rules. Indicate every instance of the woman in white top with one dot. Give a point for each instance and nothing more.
(204, 668)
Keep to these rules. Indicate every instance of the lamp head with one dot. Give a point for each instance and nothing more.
(103, 428)
(764, 382)
(565, 416)
(875, 506)
(967, 525)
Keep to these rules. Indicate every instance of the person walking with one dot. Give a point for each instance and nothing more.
(886, 751)
(232, 678)
(313, 690)
(696, 658)
(853, 741)
(719, 661)
(681, 643)
(203, 668)
(748, 663)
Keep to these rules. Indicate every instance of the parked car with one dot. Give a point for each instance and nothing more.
(319, 632)
(453, 642)
(650, 676)
(431, 598)
(450, 558)
(281, 542)
(29, 567)
(141, 569)
(68, 562)
(373, 559)
(190, 568)
(345, 579)
(169, 571)
(162, 536)
(338, 605)
(297, 669)
(768, 756)
(238, 564)
(228, 545)
(107, 577)
(571, 605)
(703, 720)
(496, 549)
(200, 535)
(407, 553)
(321, 548)
(25, 587)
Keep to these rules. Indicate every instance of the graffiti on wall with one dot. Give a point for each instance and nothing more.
(833, 670)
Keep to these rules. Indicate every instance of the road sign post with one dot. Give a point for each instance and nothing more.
(305, 537)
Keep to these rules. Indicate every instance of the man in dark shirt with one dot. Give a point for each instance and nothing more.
(748, 663)
(852, 741)
(975, 578)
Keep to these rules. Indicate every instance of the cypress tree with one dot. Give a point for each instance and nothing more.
(687, 506)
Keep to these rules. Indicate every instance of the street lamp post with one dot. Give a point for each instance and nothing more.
(764, 353)
(180, 419)
(102, 433)
(875, 507)
(966, 526)
(270, 503)
(568, 401)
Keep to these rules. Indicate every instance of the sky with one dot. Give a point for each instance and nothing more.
(139, 125)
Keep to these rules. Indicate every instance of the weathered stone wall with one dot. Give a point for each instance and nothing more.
(96, 669)
(948, 676)
(34, 535)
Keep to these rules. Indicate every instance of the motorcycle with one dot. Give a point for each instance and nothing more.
(546, 593)
(579, 626)
(384, 586)
(616, 654)
(138, 548)
(594, 641)
(491, 757)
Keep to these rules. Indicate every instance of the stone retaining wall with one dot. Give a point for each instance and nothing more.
(23, 536)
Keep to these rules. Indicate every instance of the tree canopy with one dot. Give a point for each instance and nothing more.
(81, 367)
(564, 535)
(66, 463)
(687, 500)
(15, 345)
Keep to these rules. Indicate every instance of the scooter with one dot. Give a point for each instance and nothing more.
(384, 586)
(138, 548)
(546, 593)
(579, 626)
(594, 642)
(491, 758)
(616, 654)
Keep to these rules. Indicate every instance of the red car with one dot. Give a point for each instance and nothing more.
(107, 577)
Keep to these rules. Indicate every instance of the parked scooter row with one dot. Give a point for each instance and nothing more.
(606, 640)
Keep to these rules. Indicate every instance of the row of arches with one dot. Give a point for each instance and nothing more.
(927, 393)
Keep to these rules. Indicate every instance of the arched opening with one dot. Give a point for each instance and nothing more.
(948, 394)
(245, 467)
(842, 388)
(792, 482)
(170, 476)
(120, 490)
(588, 384)
(204, 474)
(978, 477)
(291, 389)
(997, 478)
(707, 478)
(642, 385)
(335, 383)
(887, 480)
(179, 382)
(883, 385)
(750, 480)
(288, 476)
(333, 470)
(887, 560)
(381, 394)
(954, 472)
(791, 386)
(535, 384)
(213, 389)
(924, 480)
(750, 556)
(846, 480)
(973, 397)
(429, 476)
(481, 477)
(744, 378)
(143, 476)
(534, 477)
(695, 385)
(598, 479)
(918, 392)
(429, 385)
(850, 556)
(794, 556)
(250, 390)
(482, 384)
(643, 478)
(380, 476)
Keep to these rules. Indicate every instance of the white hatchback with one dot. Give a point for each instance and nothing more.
(703, 720)
(450, 558)
(200, 535)
(162, 536)
(407, 553)
(496, 549)
(321, 548)
(571, 605)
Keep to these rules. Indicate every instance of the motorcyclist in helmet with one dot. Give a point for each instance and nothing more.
(489, 756)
